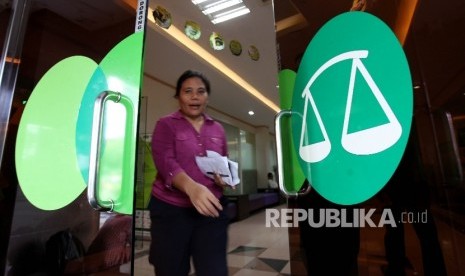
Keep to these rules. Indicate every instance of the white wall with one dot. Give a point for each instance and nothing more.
(160, 101)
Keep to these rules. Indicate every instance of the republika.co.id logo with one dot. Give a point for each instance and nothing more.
(345, 218)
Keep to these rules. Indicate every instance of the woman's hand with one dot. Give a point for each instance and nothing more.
(204, 200)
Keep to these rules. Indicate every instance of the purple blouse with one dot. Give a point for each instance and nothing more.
(175, 144)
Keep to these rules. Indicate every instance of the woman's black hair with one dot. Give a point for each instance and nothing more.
(190, 74)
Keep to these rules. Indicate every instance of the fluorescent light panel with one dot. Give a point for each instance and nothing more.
(196, 2)
(221, 10)
(230, 15)
(221, 5)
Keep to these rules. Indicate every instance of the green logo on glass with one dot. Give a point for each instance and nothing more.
(351, 108)
(53, 143)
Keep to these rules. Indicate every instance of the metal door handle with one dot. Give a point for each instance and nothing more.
(279, 156)
(95, 145)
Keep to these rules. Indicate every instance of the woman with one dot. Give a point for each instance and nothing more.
(186, 208)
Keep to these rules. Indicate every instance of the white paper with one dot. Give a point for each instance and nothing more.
(234, 169)
(216, 163)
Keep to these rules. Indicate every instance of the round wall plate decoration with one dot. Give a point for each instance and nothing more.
(162, 17)
(216, 41)
(192, 30)
(235, 47)
(254, 53)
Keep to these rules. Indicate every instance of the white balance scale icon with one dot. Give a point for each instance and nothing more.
(363, 142)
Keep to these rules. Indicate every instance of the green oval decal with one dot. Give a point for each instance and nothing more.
(46, 164)
(352, 108)
(53, 141)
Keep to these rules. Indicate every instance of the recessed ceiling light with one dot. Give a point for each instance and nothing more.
(251, 113)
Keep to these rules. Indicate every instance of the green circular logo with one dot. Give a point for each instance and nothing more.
(351, 108)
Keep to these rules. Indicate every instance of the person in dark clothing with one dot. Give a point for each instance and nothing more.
(338, 246)
(408, 195)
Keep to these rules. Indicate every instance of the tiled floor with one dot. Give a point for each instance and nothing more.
(257, 250)
(253, 249)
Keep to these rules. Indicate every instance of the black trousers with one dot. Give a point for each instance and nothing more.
(338, 245)
(181, 233)
(431, 252)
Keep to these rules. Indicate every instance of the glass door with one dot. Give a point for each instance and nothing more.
(425, 196)
(240, 60)
(70, 82)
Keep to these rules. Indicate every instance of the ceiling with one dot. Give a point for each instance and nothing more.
(434, 45)
(166, 58)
